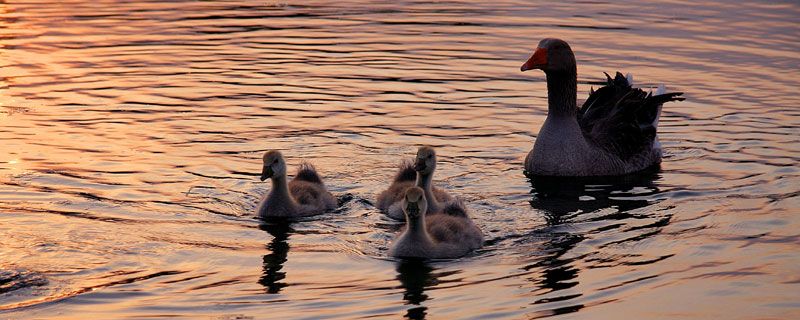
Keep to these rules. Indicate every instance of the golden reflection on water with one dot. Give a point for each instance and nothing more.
(133, 133)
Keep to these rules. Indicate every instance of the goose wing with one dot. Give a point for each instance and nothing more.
(621, 119)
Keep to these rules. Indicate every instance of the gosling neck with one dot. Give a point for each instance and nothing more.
(416, 229)
(562, 92)
(424, 182)
(280, 189)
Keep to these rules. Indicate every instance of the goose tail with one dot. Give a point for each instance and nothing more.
(659, 98)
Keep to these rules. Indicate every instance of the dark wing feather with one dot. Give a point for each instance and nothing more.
(619, 118)
(599, 104)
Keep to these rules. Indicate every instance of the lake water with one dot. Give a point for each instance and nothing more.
(132, 135)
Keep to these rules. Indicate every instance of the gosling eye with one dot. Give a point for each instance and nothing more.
(430, 156)
(275, 162)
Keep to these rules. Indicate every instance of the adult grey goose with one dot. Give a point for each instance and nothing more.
(613, 133)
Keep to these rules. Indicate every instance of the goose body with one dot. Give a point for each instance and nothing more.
(420, 174)
(304, 195)
(613, 133)
(449, 234)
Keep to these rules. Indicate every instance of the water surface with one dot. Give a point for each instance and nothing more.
(132, 137)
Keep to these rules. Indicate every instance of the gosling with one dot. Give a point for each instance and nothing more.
(450, 234)
(305, 195)
(420, 173)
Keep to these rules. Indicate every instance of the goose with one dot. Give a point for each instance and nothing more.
(450, 234)
(613, 133)
(304, 195)
(420, 173)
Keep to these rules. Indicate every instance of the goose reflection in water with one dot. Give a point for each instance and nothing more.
(560, 197)
(564, 200)
(274, 261)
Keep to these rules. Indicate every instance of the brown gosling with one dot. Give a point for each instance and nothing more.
(304, 195)
(420, 174)
(450, 234)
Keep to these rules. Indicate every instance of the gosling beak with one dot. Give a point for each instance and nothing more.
(419, 165)
(266, 173)
(537, 61)
(412, 209)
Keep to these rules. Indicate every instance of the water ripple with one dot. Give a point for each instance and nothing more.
(133, 134)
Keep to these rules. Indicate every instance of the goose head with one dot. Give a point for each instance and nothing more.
(414, 204)
(551, 55)
(426, 160)
(274, 165)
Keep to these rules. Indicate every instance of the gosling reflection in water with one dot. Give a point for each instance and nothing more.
(274, 261)
(414, 276)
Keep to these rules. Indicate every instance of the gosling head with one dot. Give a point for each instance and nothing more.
(274, 165)
(426, 160)
(414, 204)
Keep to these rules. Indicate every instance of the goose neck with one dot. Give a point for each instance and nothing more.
(424, 182)
(562, 88)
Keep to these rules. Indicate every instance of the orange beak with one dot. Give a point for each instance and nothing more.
(537, 61)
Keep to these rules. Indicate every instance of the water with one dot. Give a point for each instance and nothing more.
(132, 135)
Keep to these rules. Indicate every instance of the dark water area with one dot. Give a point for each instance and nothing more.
(132, 136)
